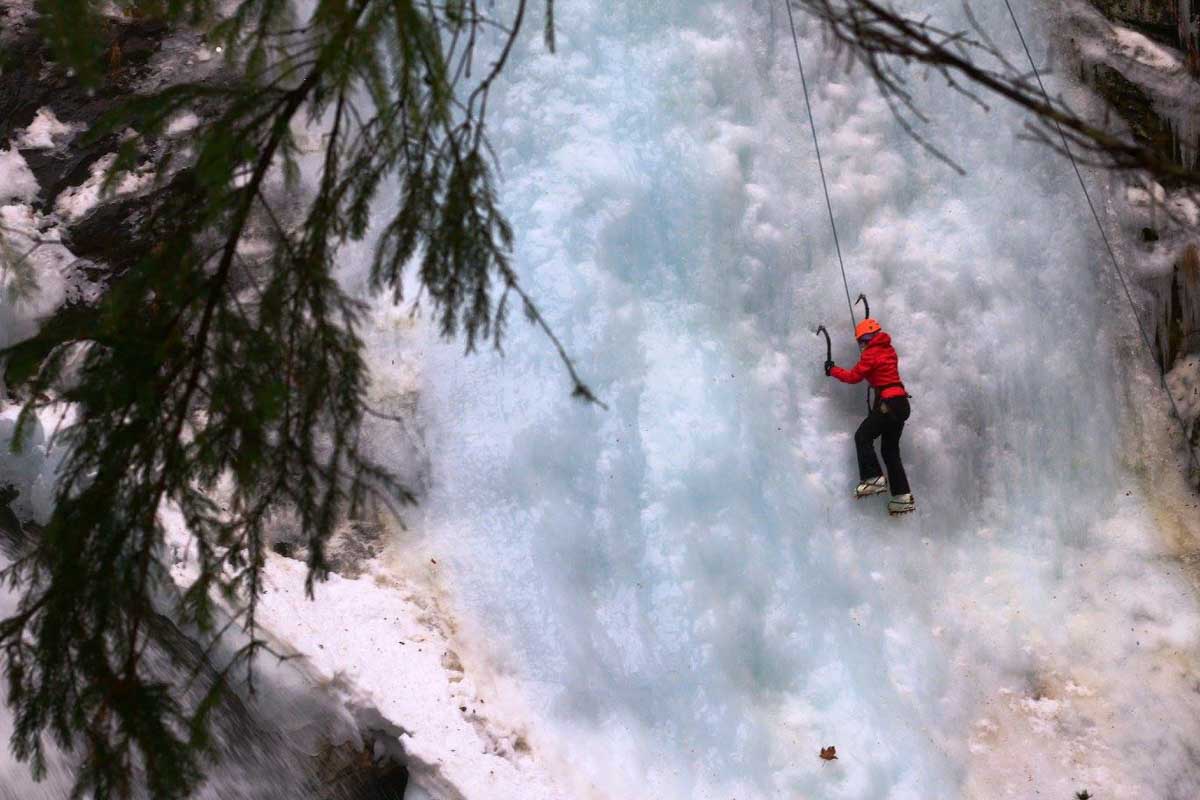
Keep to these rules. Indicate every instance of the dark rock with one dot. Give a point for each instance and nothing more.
(1155, 19)
(388, 783)
(353, 545)
(113, 232)
(1148, 127)
(129, 47)
(12, 533)
(138, 40)
(1175, 334)
(350, 773)
(1149, 235)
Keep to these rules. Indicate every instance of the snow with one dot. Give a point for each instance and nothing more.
(183, 123)
(32, 469)
(392, 641)
(37, 274)
(77, 202)
(16, 180)
(45, 132)
(38, 271)
(1144, 50)
(1164, 268)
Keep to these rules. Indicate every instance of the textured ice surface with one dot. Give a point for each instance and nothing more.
(681, 583)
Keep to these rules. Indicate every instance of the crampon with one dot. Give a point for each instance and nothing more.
(902, 504)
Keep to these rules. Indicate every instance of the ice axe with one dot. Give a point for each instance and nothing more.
(862, 298)
(829, 355)
(867, 314)
(828, 344)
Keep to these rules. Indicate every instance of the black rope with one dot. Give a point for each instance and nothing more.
(820, 164)
(1162, 374)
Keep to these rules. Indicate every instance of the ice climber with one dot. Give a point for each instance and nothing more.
(879, 365)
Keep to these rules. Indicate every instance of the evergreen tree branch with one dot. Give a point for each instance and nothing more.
(885, 41)
(232, 395)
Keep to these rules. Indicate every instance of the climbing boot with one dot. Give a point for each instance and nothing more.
(870, 486)
(901, 504)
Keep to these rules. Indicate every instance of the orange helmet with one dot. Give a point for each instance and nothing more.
(867, 326)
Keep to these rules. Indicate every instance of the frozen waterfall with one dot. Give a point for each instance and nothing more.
(682, 585)
(680, 589)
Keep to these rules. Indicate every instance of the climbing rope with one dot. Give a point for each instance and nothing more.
(1162, 374)
(820, 164)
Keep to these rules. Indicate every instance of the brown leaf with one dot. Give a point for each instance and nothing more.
(829, 753)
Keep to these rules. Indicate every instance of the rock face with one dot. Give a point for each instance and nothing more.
(1141, 58)
(1153, 14)
(1170, 21)
(1180, 303)
(357, 773)
(130, 44)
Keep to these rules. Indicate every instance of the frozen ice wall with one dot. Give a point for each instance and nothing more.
(682, 583)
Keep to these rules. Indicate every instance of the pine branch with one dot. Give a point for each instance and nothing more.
(234, 395)
(885, 41)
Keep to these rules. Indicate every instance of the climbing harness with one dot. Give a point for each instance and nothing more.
(1162, 373)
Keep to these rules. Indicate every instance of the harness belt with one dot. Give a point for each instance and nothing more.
(880, 389)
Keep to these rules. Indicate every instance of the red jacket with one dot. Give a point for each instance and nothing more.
(878, 364)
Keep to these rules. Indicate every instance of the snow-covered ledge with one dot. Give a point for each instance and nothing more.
(387, 641)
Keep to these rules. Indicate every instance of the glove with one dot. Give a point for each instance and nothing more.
(828, 367)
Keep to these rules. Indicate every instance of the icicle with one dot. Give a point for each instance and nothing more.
(1187, 33)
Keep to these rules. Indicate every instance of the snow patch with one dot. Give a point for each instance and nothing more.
(46, 132)
(1146, 51)
(391, 642)
(37, 271)
(32, 467)
(17, 182)
(183, 123)
(77, 202)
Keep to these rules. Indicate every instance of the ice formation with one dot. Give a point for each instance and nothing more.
(681, 583)
(678, 595)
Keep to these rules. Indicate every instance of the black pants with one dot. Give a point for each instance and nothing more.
(885, 421)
